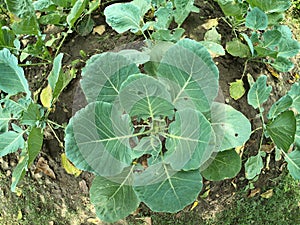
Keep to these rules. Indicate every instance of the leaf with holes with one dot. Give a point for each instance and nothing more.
(145, 137)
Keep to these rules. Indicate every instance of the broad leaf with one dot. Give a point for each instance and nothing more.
(190, 75)
(256, 19)
(75, 12)
(226, 164)
(293, 160)
(34, 143)
(295, 94)
(32, 115)
(12, 79)
(19, 172)
(288, 48)
(231, 127)
(124, 16)
(270, 6)
(282, 130)
(103, 75)
(237, 89)
(213, 48)
(237, 48)
(145, 97)
(259, 92)
(187, 140)
(282, 64)
(281, 105)
(271, 38)
(168, 35)
(135, 56)
(10, 142)
(233, 8)
(113, 200)
(100, 134)
(174, 189)
(253, 166)
(164, 16)
(16, 108)
(182, 9)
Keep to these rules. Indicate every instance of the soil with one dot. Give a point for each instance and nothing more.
(70, 193)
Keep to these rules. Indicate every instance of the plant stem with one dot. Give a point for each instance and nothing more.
(263, 128)
(54, 123)
(65, 34)
(34, 64)
(245, 68)
(55, 135)
(259, 128)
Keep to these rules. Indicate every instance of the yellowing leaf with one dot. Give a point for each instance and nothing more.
(70, 169)
(237, 89)
(194, 205)
(267, 194)
(272, 71)
(19, 216)
(210, 24)
(99, 29)
(46, 96)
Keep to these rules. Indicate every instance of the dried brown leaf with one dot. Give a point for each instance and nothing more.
(253, 192)
(42, 166)
(99, 29)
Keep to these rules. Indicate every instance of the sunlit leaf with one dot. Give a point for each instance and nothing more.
(68, 166)
(10, 142)
(196, 81)
(46, 97)
(12, 79)
(259, 92)
(271, 5)
(113, 200)
(237, 89)
(293, 160)
(176, 189)
(256, 19)
(104, 74)
(253, 166)
(295, 94)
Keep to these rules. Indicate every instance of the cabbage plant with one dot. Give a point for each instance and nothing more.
(152, 128)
